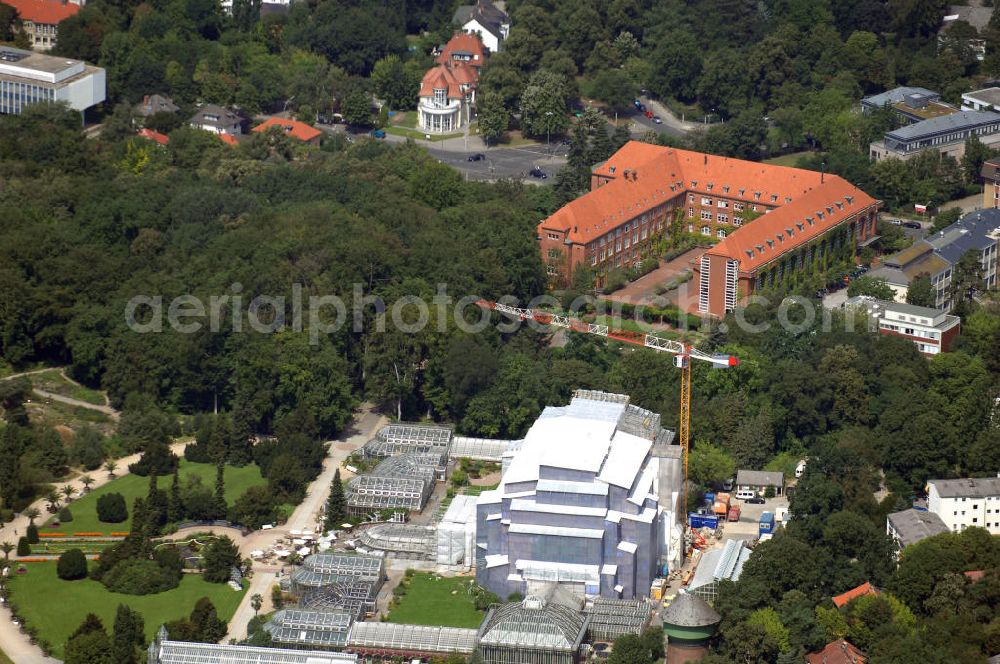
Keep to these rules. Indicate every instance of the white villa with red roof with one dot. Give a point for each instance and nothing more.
(448, 90)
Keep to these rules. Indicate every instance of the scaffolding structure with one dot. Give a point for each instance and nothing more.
(404, 482)
(310, 629)
(394, 439)
(610, 618)
(357, 598)
(401, 540)
(410, 641)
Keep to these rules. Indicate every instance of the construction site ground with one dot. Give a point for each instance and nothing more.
(747, 528)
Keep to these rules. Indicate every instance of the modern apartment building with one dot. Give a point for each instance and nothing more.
(966, 502)
(910, 104)
(932, 331)
(589, 501)
(769, 220)
(937, 255)
(33, 78)
(946, 134)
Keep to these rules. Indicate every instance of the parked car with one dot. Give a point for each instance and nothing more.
(912, 224)
(745, 494)
(896, 222)
(637, 103)
(538, 173)
(657, 120)
(479, 156)
(649, 114)
(377, 133)
(756, 500)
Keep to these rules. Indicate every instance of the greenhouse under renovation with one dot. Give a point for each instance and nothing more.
(308, 629)
(542, 629)
(402, 482)
(390, 640)
(164, 651)
(345, 581)
(589, 499)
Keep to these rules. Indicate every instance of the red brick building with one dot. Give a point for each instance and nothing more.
(770, 220)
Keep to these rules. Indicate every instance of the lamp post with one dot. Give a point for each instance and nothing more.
(548, 130)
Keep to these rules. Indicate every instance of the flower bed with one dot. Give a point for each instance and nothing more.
(52, 534)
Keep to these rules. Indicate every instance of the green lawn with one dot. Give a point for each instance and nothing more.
(53, 381)
(418, 135)
(131, 487)
(4, 659)
(406, 119)
(787, 159)
(434, 600)
(42, 598)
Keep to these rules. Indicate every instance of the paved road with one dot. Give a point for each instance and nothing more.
(506, 162)
(305, 517)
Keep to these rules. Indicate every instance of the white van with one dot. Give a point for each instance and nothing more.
(745, 494)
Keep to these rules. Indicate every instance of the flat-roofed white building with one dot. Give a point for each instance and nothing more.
(966, 502)
(932, 331)
(33, 78)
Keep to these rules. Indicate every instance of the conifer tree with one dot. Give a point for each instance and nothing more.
(336, 504)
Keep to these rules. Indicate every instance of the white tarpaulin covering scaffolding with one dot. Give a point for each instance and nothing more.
(456, 533)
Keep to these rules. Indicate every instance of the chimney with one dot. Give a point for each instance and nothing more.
(706, 159)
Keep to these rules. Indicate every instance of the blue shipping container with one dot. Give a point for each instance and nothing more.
(766, 523)
(710, 497)
(703, 520)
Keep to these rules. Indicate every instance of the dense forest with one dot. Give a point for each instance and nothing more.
(86, 225)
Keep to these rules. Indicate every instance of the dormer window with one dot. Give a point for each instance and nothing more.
(850, 200)
(709, 186)
(694, 184)
(756, 195)
(788, 199)
(725, 188)
(829, 209)
(439, 96)
(749, 253)
(743, 192)
(781, 238)
(759, 247)
(840, 205)
(774, 198)
(801, 226)
(818, 214)
(770, 243)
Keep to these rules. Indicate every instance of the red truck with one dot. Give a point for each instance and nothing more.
(734, 512)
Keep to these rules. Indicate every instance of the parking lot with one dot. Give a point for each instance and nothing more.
(747, 527)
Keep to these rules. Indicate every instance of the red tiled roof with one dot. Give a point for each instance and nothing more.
(293, 128)
(228, 139)
(975, 576)
(442, 76)
(838, 652)
(864, 589)
(48, 12)
(156, 136)
(463, 41)
(658, 174)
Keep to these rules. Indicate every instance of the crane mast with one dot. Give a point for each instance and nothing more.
(683, 354)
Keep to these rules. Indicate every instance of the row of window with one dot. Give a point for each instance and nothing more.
(15, 96)
(708, 201)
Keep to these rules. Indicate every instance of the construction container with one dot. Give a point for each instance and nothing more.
(696, 520)
(734, 512)
(721, 506)
(781, 514)
(766, 524)
(656, 590)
